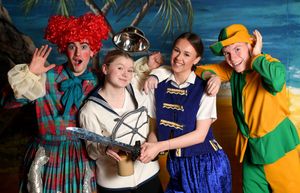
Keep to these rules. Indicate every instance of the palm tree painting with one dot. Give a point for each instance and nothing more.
(22, 24)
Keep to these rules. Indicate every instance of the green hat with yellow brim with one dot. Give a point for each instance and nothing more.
(230, 35)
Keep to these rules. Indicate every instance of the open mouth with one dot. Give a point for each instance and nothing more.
(77, 62)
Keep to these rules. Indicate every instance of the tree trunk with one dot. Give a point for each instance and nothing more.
(142, 13)
(106, 8)
(96, 10)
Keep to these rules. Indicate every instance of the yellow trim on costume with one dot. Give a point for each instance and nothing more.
(177, 91)
(173, 106)
(215, 145)
(171, 124)
(178, 152)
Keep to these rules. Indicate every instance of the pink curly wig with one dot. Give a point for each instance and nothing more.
(89, 27)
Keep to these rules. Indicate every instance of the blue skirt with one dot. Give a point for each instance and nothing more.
(206, 173)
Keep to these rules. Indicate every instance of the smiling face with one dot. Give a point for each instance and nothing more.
(78, 55)
(183, 57)
(237, 56)
(119, 72)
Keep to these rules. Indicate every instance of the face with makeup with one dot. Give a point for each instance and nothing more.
(79, 54)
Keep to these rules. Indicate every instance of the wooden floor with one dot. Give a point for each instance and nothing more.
(224, 130)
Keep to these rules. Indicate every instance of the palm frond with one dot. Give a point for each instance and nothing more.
(27, 5)
(64, 7)
(109, 1)
(128, 7)
(175, 15)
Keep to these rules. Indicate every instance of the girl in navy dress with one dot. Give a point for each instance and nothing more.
(183, 116)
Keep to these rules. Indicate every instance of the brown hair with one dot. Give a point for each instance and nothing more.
(114, 54)
(109, 58)
(194, 40)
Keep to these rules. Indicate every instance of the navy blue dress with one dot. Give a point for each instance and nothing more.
(200, 168)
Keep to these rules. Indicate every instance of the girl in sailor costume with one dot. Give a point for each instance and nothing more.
(120, 111)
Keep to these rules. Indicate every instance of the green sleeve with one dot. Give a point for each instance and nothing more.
(272, 72)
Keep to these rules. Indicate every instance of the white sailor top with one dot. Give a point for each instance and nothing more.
(128, 127)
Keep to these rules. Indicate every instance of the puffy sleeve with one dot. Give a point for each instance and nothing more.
(25, 84)
(141, 72)
(207, 108)
(162, 72)
(151, 107)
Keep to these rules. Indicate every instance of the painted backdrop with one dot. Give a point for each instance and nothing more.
(277, 20)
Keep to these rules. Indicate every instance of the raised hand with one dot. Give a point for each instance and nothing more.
(155, 60)
(257, 43)
(37, 64)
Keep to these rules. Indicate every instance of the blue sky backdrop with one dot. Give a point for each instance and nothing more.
(277, 20)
